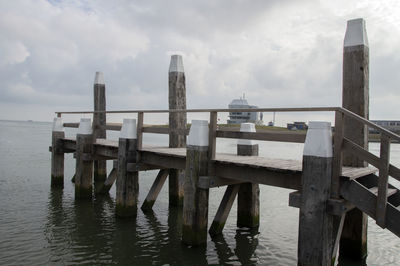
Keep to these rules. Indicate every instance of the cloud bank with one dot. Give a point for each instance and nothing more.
(279, 53)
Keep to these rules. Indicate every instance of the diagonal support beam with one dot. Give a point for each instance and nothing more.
(155, 190)
(223, 211)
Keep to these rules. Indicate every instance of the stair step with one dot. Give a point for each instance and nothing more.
(390, 191)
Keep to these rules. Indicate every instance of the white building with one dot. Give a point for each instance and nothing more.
(242, 117)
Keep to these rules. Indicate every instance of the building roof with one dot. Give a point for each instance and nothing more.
(239, 102)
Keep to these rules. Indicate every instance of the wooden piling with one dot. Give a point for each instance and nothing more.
(84, 162)
(315, 224)
(195, 201)
(177, 125)
(127, 181)
(57, 155)
(248, 210)
(99, 129)
(355, 98)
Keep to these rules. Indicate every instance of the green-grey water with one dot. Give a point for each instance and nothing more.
(40, 226)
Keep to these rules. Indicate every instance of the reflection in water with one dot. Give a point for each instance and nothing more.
(244, 252)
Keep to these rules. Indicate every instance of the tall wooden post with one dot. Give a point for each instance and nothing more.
(127, 180)
(99, 128)
(248, 211)
(57, 155)
(84, 162)
(195, 201)
(315, 224)
(353, 242)
(177, 125)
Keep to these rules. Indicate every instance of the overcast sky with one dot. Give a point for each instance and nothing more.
(279, 53)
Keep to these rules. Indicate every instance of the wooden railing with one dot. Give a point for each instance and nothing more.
(341, 142)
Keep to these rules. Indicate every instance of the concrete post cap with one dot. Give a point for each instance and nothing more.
(58, 125)
(246, 127)
(128, 130)
(85, 126)
(176, 64)
(99, 78)
(198, 134)
(356, 33)
(318, 140)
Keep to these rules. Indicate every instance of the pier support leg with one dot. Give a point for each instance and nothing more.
(99, 129)
(109, 181)
(84, 163)
(155, 190)
(127, 182)
(248, 210)
(195, 201)
(315, 223)
(356, 99)
(57, 155)
(223, 211)
(177, 125)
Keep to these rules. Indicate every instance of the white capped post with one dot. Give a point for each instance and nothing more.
(99, 78)
(315, 223)
(355, 98)
(58, 125)
(177, 125)
(128, 129)
(356, 33)
(198, 134)
(195, 200)
(318, 140)
(85, 126)
(176, 64)
(127, 184)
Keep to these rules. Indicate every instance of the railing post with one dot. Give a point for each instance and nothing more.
(127, 181)
(315, 223)
(99, 129)
(353, 242)
(383, 181)
(177, 125)
(248, 210)
(84, 162)
(337, 154)
(195, 200)
(57, 155)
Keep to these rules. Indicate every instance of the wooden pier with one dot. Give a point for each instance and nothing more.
(334, 187)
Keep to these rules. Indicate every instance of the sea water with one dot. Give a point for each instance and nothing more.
(40, 226)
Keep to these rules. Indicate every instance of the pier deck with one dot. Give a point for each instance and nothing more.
(283, 173)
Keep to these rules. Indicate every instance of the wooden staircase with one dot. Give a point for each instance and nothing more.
(363, 194)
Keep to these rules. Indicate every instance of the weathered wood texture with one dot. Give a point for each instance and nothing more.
(155, 189)
(109, 181)
(364, 197)
(177, 133)
(99, 131)
(223, 210)
(383, 181)
(127, 182)
(355, 98)
(337, 154)
(315, 224)
(248, 210)
(57, 159)
(195, 201)
(84, 168)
